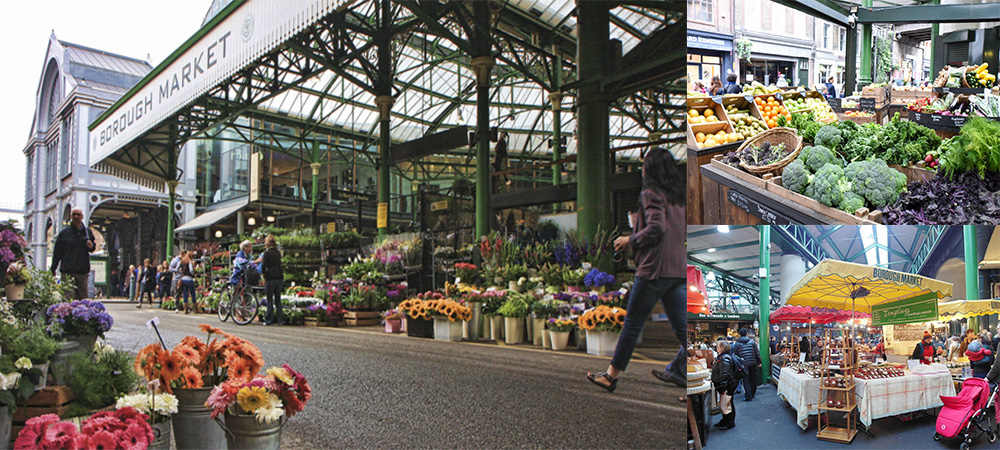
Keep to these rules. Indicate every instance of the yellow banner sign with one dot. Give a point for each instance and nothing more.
(383, 215)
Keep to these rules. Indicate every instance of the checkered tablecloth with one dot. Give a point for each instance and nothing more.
(876, 398)
(802, 392)
(893, 396)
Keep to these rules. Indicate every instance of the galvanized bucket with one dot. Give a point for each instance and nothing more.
(161, 436)
(245, 432)
(193, 426)
(59, 365)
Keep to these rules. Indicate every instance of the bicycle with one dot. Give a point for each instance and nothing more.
(240, 303)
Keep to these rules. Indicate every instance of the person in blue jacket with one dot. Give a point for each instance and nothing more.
(240, 262)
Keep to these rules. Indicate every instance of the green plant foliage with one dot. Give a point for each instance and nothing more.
(36, 344)
(98, 382)
(517, 305)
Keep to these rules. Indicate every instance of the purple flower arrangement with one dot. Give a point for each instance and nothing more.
(567, 254)
(79, 317)
(596, 278)
(12, 243)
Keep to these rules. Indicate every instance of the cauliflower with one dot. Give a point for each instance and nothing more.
(852, 202)
(829, 185)
(875, 181)
(819, 156)
(828, 136)
(796, 176)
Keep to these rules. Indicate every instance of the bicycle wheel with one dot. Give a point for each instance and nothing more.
(244, 308)
(224, 309)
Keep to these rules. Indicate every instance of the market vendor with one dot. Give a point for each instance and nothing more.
(880, 349)
(924, 351)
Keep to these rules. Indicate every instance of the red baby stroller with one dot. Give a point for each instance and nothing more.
(969, 415)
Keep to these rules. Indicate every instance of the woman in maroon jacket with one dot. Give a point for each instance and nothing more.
(657, 240)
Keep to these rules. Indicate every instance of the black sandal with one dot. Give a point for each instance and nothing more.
(612, 382)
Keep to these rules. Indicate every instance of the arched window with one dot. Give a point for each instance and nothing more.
(55, 97)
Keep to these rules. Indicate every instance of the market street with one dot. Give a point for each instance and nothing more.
(374, 390)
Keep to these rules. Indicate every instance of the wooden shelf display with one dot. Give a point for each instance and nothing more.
(837, 393)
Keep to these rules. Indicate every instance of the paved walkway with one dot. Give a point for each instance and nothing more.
(768, 422)
(374, 390)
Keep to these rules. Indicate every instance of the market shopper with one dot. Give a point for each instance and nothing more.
(924, 350)
(716, 86)
(732, 87)
(274, 279)
(831, 90)
(187, 283)
(725, 381)
(980, 358)
(804, 345)
(71, 254)
(747, 350)
(816, 352)
(175, 276)
(146, 282)
(660, 268)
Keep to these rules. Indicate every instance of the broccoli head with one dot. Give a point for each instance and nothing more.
(829, 185)
(796, 176)
(819, 156)
(876, 181)
(828, 136)
(852, 202)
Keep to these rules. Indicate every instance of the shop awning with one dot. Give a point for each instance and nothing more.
(819, 316)
(961, 309)
(857, 287)
(209, 218)
(697, 301)
(992, 258)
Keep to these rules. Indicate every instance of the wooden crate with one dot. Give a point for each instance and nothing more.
(857, 120)
(737, 173)
(50, 400)
(860, 217)
(362, 322)
(701, 104)
(361, 315)
(880, 94)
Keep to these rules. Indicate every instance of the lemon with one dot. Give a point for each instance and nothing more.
(693, 112)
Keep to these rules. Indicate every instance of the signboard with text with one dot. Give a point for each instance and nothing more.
(912, 310)
(736, 317)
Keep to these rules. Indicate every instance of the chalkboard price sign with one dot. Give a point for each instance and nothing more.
(764, 213)
(834, 104)
(867, 104)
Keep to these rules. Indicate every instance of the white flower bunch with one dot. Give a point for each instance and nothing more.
(102, 349)
(161, 404)
(9, 381)
(23, 363)
(271, 411)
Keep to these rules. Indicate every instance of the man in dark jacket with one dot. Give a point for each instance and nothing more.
(71, 255)
(725, 384)
(731, 86)
(747, 351)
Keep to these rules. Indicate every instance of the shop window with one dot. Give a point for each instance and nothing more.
(843, 40)
(701, 10)
(826, 35)
(64, 149)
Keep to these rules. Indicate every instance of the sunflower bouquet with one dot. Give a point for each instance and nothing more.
(192, 364)
(414, 308)
(449, 308)
(603, 318)
(560, 325)
(281, 392)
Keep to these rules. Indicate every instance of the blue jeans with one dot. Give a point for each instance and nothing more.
(645, 293)
(187, 290)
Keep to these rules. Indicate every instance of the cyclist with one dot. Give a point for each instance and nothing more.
(241, 261)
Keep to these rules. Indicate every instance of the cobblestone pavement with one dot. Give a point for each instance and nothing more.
(375, 390)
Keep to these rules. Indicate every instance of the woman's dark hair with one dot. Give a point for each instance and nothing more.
(716, 83)
(663, 174)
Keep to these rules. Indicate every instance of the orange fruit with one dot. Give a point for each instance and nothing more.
(770, 99)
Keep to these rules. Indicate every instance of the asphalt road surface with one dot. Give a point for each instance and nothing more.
(375, 390)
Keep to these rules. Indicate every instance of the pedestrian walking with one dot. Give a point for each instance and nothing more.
(274, 280)
(165, 278)
(71, 254)
(187, 281)
(131, 282)
(660, 268)
(146, 282)
(747, 350)
(175, 278)
(725, 381)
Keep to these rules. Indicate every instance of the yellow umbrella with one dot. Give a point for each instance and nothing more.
(961, 309)
(844, 285)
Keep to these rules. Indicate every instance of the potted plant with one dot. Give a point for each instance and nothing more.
(540, 312)
(393, 320)
(42, 291)
(598, 280)
(335, 313)
(255, 409)
(294, 316)
(39, 348)
(604, 325)
(559, 330)
(12, 245)
(316, 315)
(552, 276)
(11, 388)
(548, 230)
(447, 315)
(465, 274)
(515, 275)
(573, 279)
(17, 277)
(80, 320)
(159, 407)
(492, 301)
(514, 310)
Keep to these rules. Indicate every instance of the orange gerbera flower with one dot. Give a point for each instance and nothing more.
(192, 378)
(145, 361)
(205, 328)
(170, 365)
(195, 344)
(187, 355)
(238, 369)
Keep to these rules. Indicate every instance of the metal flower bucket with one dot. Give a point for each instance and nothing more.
(161, 436)
(193, 427)
(245, 432)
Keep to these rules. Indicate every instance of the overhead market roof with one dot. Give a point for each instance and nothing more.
(858, 287)
(311, 63)
(991, 260)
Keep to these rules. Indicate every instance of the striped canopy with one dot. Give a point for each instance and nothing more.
(820, 316)
(857, 287)
(961, 309)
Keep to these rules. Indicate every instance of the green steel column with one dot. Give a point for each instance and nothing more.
(971, 263)
(483, 65)
(556, 97)
(384, 103)
(866, 50)
(592, 171)
(765, 303)
(935, 31)
(172, 189)
(851, 62)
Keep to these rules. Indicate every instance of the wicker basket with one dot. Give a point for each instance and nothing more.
(780, 135)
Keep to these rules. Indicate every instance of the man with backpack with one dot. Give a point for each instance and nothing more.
(747, 351)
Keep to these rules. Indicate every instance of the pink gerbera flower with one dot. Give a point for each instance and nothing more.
(134, 438)
(102, 440)
(95, 424)
(29, 438)
(219, 400)
(60, 435)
